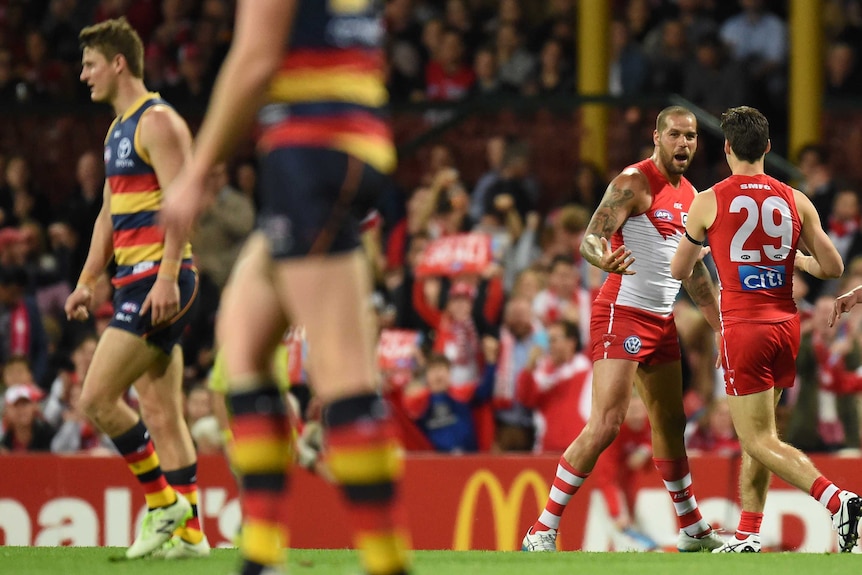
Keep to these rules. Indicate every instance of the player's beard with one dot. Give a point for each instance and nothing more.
(671, 165)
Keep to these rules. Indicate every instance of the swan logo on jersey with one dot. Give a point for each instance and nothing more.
(755, 278)
(632, 344)
(663, 215)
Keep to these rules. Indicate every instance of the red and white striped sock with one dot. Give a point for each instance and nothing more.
(749, 524)
(677, 481)
(566, 483)
(826, 493)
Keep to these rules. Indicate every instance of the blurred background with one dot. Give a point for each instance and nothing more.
(510, 117)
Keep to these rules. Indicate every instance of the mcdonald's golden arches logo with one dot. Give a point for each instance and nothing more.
(505, 507)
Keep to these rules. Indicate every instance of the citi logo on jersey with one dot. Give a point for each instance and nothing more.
(753, 278)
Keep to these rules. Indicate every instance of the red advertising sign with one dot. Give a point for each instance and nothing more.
(467, 502)
(453, 255)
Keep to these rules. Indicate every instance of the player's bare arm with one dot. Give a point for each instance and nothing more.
(166, 141)
(690, 251)
(261, 32)
(702, 291)
(825, 261)
(100, 253)
(628, 193)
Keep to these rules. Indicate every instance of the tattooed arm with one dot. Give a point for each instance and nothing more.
(701, 288)
(628, 193)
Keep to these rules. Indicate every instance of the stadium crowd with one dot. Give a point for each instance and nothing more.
(482, 297)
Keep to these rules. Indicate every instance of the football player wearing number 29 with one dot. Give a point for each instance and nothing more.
(755, 224)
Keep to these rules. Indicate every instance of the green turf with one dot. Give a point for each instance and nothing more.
(97, 561)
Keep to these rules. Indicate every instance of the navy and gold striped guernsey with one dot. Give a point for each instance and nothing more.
(135, 198)
(330, 91)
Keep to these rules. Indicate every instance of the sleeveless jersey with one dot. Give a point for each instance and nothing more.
(135, 198)
(652, 237)
(754, 238)
(330, 91)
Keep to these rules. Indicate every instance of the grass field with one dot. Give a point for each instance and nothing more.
(97, 561)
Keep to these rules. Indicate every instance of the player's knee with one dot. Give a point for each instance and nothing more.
(96, 404)
(604, 429)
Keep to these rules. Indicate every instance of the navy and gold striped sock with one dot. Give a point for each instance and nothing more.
(364, 457)
(185, 481)
(137, 449)
(261, 455)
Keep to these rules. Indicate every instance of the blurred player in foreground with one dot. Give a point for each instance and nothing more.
(325, 152)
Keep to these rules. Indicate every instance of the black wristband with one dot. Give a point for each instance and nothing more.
(692, 240)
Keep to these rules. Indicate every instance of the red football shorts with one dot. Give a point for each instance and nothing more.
(759, 356)
(622, 332)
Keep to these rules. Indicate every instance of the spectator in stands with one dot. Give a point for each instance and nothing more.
(758, 38)
(488, 80)
(77, 433)
(21, 329)
(515, 180)
(442, 407)
(198, 404)
(514, 63)
(564, 298)
(668, 58)
(59, 396)
(843, 228)
(712, 79)
(629, 72)
(556, 387)
(218, 237)
(60, 30)
(47, 270)
(818, 183)
(191, 89)
(695, 20)
(447, 77)
(458, 17)
(25, 430)
(557, 23)
(495, 150)
(640, 19)
(590, 185)
(81, 209)
(520, 334)
(48, 77)
(8, 80)
(714, 432)
(19, 198)
(825, 416)
(175, 29)
(16, 371)
(405, 53)
(553, 75)
(842, 73)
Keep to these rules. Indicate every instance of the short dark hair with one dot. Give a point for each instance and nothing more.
(561, 260)
(661, 119)
(747, 131)
(571, 331)
(438, 359)
(113, 37)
